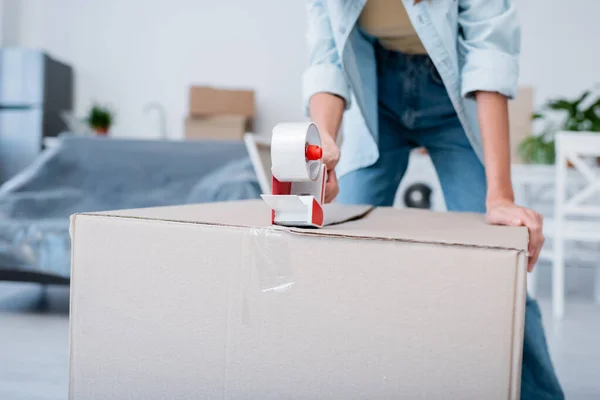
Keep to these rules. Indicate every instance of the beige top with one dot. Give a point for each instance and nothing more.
(388, 21)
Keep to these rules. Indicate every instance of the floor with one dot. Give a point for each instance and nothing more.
(34, 344)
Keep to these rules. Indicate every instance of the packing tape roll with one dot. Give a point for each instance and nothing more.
(288, 152)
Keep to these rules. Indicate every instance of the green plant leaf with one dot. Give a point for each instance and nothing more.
(592, 114)
(570, 107)
(560, 105)
(576, 119)
(535, 116)
(581, 98)
(537, 150)
(100, 117)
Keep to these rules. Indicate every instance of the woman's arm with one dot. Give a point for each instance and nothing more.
(324, 73)
(326, 110)
(490, 44)
(326, 91)
(492, 111)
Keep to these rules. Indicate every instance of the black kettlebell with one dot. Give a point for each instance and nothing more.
(418, 195)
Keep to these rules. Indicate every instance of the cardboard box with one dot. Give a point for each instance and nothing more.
(223, 127)
(208, 301)
(208, 101)
(520, 111)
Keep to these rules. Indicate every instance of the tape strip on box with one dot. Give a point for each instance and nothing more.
(269, 256)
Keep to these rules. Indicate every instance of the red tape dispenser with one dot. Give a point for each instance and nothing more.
(299, 176)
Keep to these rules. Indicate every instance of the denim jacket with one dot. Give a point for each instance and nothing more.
(474, 44)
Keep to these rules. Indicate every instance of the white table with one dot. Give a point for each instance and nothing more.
(530, 173)
(534, 186)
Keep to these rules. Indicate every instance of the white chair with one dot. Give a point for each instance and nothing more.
(577, 215)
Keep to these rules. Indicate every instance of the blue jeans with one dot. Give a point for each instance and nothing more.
(414, 111)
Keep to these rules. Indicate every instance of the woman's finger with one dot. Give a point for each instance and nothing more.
(331, 191)
(502, 216)
(535, 232)
(517, 216)
(532, 214)
(534, 258)
(534, 223)
(331, 187)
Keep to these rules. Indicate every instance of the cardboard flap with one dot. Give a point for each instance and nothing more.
(335, 214)
(422, 226)
(250, 213)
(360, 221)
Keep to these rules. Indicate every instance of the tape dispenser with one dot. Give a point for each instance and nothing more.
(299, 176)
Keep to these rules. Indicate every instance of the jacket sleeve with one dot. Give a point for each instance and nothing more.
(490, 44)
(324, 72)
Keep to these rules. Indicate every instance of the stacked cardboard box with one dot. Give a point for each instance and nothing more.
(520, 110)
(223, 114)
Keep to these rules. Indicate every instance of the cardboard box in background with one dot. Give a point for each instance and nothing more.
(224, 127)
(209, 301)
(520, 111)
(219, 113)
(208, 101)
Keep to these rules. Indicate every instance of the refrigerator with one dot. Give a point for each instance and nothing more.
(35, 90)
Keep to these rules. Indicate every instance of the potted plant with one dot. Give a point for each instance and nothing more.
(538, 149)
(581, 114)
(100, 119)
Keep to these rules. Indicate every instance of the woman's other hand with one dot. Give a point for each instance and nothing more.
(508, 213)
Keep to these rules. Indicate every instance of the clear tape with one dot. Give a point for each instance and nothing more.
(288, 152)
(268, 254)
(266, 270)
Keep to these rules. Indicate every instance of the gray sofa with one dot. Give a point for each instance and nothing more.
(97, 174)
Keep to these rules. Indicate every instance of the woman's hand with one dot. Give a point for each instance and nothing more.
(492, 111)
(331, 156)
(326, 111)
(508, 213)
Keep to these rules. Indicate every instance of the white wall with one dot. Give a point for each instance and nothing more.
(1, 23)
(131, 52)
(10, 16)
(561, 51)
